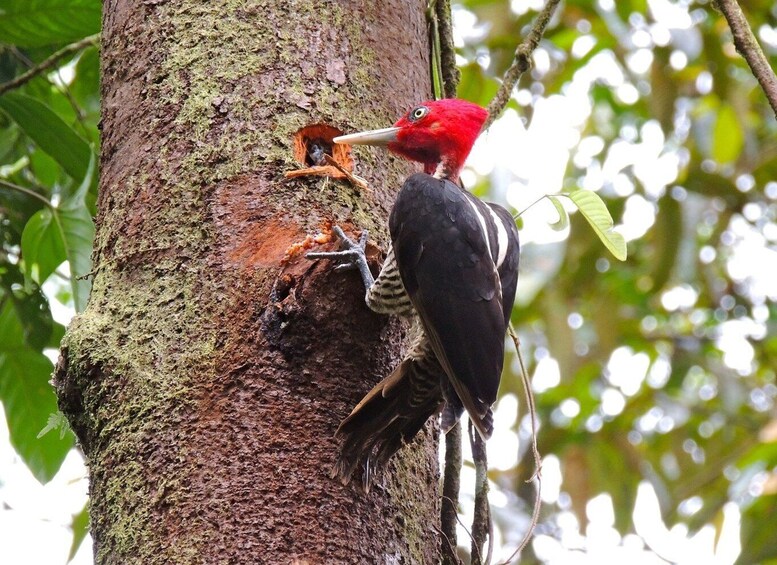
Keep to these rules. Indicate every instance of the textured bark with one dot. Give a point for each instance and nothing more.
(207, 376)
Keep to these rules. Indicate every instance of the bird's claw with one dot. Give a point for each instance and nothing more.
(354, 256)
(353, 264)
(349, 258)
(350, 244)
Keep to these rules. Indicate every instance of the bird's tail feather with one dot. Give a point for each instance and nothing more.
(388, 417)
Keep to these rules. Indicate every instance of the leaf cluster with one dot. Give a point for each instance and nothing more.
(48, 146)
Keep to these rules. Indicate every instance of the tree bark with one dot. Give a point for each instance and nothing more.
(209, 372)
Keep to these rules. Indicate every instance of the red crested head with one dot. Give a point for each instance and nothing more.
(438, 133)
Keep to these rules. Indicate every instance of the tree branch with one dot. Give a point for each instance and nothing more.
(450, 72)
(48, 63)
(747, 46)
(481, 521)
(521, 63)
(450, 491)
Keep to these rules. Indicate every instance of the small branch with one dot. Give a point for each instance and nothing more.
(26, 191)
(469, 534)
(529, 402)
(448, 548)
(522, 212)
(747, 46)
(450, 72)
(435, 65)
(450, 491)
(537, 475)
(48, 63)
(481, 521)
(521, 63)
(19, 56)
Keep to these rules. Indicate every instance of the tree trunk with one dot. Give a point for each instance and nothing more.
(209, 372)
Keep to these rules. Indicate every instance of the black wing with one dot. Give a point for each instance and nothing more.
(449, 273)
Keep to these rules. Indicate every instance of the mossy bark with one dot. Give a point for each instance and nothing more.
(207, 375)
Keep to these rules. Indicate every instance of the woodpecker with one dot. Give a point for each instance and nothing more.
(452, 268)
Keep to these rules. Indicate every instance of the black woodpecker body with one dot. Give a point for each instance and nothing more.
(452, 268)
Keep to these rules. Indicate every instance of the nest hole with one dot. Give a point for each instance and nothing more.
(313, 142)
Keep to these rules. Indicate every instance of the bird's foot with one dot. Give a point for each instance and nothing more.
(353, 256)
(350, 257)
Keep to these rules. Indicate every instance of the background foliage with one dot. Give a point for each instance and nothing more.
(48, 146)
(665, 364)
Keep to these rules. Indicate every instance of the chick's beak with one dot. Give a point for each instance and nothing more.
(373, 137)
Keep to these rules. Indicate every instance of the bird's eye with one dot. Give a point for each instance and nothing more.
(418, 113)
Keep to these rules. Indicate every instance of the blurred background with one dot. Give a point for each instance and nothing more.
(654, 378)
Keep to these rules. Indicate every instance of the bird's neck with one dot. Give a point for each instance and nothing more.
(446, 169)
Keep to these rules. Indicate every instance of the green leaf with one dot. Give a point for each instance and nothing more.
(80, 527)
(727, 135)
(28, 400)
(759, 544)
(49, 132)
(669, 229)
(56, 421)
(46, 170)
(57, 333)
(43, 245)
(80, 237)
(625, 9)
(594, 210)
(11, 334)
(563, 217)
(563, 38)
(9, 66)
(475, 85)
(35, 23)
(8, 137)
(17, 208)
(64, 233)
(86, 84)
(29, 304)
